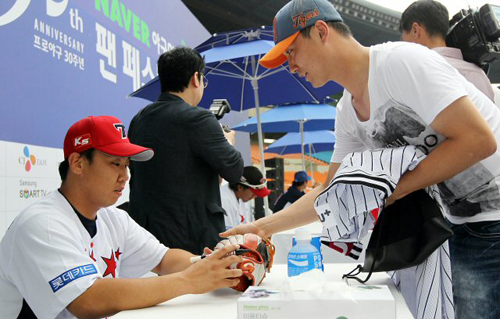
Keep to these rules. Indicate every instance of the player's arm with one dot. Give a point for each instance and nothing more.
(173, 261)
(108, 296)
(468, 141)
(298, 214)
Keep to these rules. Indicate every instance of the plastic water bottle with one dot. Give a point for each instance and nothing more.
(303, 256)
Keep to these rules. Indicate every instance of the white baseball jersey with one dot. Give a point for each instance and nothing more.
(49, 259)
(237, 211)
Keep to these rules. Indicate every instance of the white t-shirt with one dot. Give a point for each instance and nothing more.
(409, 85)
(49, 258)
(237, 211)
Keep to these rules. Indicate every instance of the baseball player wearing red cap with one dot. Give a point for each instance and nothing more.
(236, 195)
(397, 94)
(72, 255)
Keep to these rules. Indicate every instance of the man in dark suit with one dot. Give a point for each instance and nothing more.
(176, 195)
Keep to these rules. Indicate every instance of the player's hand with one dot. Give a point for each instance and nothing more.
(245, 229)
(212, 272)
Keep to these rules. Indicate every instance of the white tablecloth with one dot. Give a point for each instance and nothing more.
(221, 304)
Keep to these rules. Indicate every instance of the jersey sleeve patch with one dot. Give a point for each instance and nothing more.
(71, 275)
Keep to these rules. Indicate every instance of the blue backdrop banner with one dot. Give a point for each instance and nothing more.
(64, 60)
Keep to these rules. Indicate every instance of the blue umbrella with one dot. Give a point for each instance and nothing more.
(287, 118)
(311, 142)
(234, 73)
(314, 142)
(293, 118)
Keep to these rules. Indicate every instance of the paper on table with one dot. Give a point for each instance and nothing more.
(315, 283)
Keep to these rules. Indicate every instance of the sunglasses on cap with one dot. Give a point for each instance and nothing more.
(261, 186)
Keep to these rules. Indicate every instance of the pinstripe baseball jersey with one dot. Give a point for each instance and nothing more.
(362, 183)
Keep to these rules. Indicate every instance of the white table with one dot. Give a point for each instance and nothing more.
(221, 304)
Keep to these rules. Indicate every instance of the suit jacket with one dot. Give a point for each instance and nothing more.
(175, 195)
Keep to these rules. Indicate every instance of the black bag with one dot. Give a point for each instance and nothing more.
(405, 235)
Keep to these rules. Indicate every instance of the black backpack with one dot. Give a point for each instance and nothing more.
(405, 235)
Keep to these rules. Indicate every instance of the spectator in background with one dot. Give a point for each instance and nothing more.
(176, 195)
(426, 22)
(294, 192)
(235, 195)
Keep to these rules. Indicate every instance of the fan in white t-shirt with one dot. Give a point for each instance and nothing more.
(399, 94)
(70, 254)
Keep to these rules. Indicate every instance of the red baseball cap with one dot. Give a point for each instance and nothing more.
(253, 178)
(261, 192)
(106, 134)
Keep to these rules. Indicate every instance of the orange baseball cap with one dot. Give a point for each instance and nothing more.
(290, 20)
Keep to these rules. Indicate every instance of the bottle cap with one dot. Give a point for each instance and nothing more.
(302, 234)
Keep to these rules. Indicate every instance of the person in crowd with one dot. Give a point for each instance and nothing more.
(426, 22)
(236, 195)
(294, 192)
(176, 195)
(73, 255)
(397, 94)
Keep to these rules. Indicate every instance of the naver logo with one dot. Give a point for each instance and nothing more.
(54, 9)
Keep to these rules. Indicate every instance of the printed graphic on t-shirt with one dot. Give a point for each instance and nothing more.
(396, 125)
(466, 194)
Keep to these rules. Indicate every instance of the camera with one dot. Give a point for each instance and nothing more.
(219, 108)
(476, 34)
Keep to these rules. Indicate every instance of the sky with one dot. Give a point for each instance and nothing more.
(453, 5)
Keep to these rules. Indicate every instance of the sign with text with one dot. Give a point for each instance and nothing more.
(64, 60)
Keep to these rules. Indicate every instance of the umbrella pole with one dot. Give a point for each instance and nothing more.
(255, 87)
(310, 157)
(301, 123)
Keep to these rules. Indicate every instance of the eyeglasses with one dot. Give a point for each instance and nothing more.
(205, 81)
